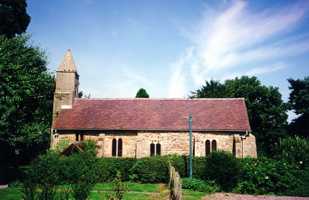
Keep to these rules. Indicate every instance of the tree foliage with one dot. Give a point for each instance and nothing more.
(142, 93)
(26, 92)
(266, 110)
(13, 17)
(299, 102)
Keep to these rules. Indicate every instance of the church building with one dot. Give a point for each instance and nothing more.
(141, 127)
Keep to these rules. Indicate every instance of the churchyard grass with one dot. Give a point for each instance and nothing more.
(136, 191)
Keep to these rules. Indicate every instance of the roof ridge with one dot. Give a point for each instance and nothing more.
(163, 99)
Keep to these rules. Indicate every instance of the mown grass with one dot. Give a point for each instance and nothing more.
(136, 191)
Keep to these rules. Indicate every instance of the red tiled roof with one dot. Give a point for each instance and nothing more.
(226, 114)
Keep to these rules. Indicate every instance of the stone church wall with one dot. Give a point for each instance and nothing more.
(137, 144)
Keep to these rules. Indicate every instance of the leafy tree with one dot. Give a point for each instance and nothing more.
(26, 93)
(211, 89)
(142, 93)
(299, 102)
(13, 17)
(266, 110)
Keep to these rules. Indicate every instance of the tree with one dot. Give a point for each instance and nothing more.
(26, 93)
(266, 110)
(211, 89)
(299, 102)
(142, 93)
(13, 17)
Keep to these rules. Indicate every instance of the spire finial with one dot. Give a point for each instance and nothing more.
(67, 63)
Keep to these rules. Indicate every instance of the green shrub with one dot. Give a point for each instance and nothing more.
(61, 145)
(90, 147)
(80, 172)
(303, 188)
(150, 170)
(294, 150)
(42, 174)
(223, 168)
(119, 188)
(199, 167)
(267, 176)
(178, 162)
(108, 167)
(199, 185)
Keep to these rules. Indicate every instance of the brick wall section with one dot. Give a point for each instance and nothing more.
(138, 144)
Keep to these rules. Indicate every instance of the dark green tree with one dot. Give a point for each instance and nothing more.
(26, 93)
(266, 110)
(211, 89)
(142, 93)
(299, 102)
(13, 17)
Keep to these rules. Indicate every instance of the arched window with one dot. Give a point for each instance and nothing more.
(158, 149)
(234, 148)
(207, 147)
(119, 147)
(114, 147)
(214, 145)
(193, 146)
(152, 149)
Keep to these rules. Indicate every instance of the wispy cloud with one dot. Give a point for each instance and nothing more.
(238, 41)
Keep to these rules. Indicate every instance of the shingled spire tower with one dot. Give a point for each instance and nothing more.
(67, 82)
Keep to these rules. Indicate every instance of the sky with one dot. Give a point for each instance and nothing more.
(171, 47)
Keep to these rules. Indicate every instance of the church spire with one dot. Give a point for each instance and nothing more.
(67, 63)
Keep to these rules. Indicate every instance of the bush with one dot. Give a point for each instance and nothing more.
(108, 167)
(267, 176)
(199, 185)
(42, 174)
(178, 162)
(303, 187)
(150, 170)
(223, 168)
(199, 167)
(119, 188)
(53, 176)
(80, 171)
(294, 150)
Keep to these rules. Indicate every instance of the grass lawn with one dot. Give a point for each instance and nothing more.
(136, 191)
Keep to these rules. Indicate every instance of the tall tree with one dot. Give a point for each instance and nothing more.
(142, 93)
(211, 89)
(26, 93)
(299, 102)
(13, 17)
(266, 110)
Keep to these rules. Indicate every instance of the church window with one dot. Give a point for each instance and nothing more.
(114, 148)
(119, 147)
(81, 137)
(207, 147)
(155, 149)
(214, 145)
(76, 137)
(158, 149)
(234, 148)
(193, 146)
(152, 149)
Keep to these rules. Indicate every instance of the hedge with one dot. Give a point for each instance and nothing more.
(108, 168)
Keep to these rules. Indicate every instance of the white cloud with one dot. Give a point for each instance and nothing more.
(177, 84)
(257, 71)
(239, 41)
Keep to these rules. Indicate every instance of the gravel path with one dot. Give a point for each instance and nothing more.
(230, 196)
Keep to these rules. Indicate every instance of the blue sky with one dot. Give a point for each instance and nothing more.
(171, 47)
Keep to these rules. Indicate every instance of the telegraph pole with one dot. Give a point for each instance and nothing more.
(190, 146)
